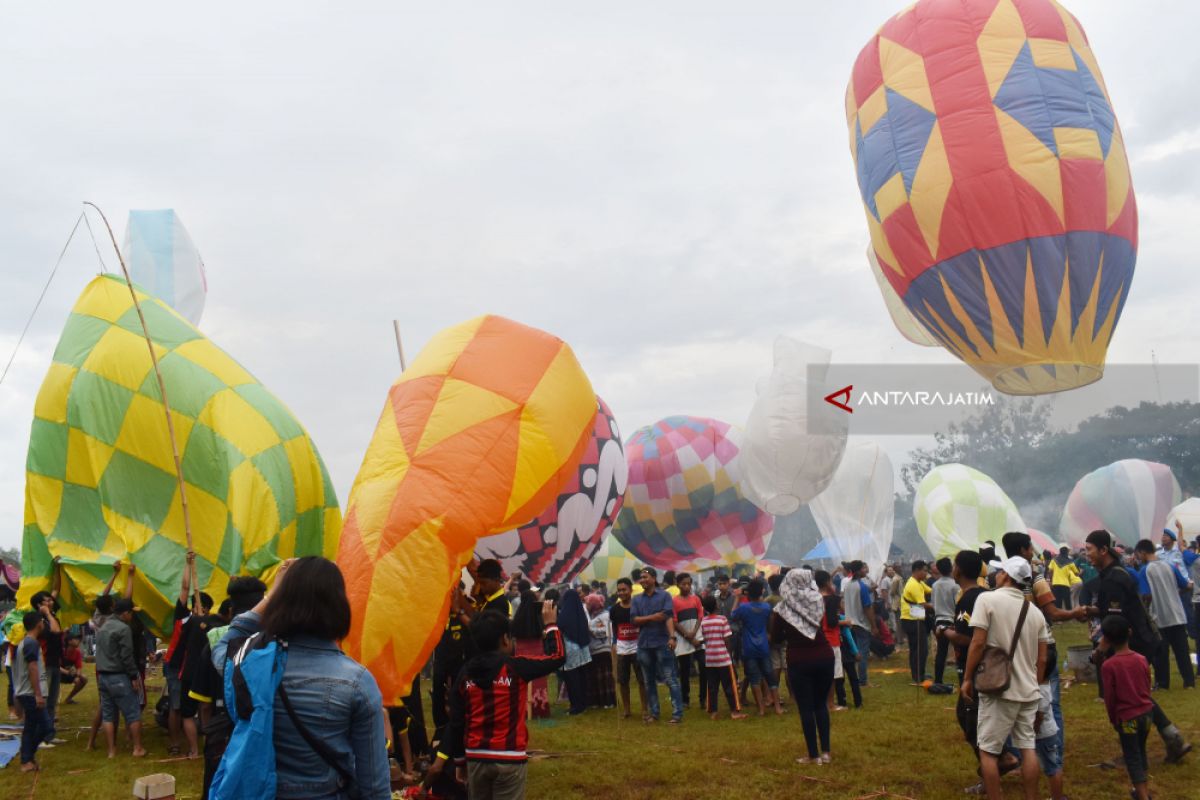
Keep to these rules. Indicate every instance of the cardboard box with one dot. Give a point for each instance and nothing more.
(159, 786)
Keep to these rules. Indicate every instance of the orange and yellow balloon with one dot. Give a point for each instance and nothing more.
(479, 436)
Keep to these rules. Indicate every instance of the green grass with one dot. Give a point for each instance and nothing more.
(903, 743)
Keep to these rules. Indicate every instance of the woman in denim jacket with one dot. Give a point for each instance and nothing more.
(333, 695)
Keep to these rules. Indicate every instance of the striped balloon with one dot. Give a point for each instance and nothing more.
(1129, 498)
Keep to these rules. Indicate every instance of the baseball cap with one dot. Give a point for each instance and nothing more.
(1015, 567)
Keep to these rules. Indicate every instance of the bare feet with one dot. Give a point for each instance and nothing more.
(29, 767)
(714, 715)
(738, 715)
(193, 754)
(112, 753)
(139, 753)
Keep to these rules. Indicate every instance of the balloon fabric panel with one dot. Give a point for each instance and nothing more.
(479, 435)
(612, 561)
(101, 483)
(856, 512)
(1131, 499)
(996, 186)
(562, 540)
(684, 508)
(959, 508)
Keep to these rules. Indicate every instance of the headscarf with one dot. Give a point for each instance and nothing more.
(595, 604)
(527, 621)
(572, 619)
(801, 605)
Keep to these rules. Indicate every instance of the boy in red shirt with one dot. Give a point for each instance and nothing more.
(1125, 676)
(487, 732)
(72, 668)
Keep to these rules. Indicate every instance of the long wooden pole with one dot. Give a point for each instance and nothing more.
(399, 344)
(162, 388)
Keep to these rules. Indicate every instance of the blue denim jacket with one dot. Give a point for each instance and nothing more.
(339, 702)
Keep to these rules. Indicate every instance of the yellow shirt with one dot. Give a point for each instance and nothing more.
(673, 591)
(637, 589)
(915, 593)
(1064, 576)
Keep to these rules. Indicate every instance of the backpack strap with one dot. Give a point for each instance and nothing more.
(1012, 647)
(346, 780)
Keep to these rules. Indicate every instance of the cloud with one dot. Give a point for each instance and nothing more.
(667, 187)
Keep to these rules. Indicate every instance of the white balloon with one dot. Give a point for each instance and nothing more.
(791, 449)
(856, 512)
(1187, 512)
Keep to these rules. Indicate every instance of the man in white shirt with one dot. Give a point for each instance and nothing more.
(1012, 712)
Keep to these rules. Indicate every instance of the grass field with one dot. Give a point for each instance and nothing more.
(904, 743)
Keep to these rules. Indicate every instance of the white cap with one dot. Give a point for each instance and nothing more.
(1016, 567)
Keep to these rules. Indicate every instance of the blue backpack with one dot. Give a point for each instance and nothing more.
(252, 677)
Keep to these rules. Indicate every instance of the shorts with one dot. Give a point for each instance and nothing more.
(779, 657)
(838, 670)
(998, 718)
(625, 664)
(174, 689)
(1049, 753)
(758, 670)
(117, 695)
(188, 705)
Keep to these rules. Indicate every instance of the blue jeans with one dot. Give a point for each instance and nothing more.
(36, 725)
(658, 663)
(862, 639)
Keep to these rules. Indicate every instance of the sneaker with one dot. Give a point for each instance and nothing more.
(675, 721)
(45, 746)
(57, 740)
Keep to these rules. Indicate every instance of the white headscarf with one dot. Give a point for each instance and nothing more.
(801, 605)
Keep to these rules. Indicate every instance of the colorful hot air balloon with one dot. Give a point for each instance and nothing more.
(562, 540)
(610, 562)
(857, 510)
(790, 448)
(1129, 498)
(959, 508)
(684, 508)
(996, 186)
(909, 326)
(101, 483)
(480, 434)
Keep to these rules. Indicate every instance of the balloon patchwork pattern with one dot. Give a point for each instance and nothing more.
(996, 186)
(101, 482)
(481, 433)
(959, 508)
(611, 561)
(684, 508)
(557, 545)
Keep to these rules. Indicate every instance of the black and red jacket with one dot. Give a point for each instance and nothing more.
(487, 703)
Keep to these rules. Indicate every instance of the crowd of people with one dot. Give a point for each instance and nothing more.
(742, 641)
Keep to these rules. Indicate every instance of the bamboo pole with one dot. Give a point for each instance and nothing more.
(162, 388)
(399, 344)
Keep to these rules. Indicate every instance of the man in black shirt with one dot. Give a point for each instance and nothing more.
(1117, 594)
(968, 564)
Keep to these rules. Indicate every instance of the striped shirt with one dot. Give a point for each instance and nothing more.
(715, 630)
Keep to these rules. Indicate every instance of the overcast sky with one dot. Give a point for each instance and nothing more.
(666, 186)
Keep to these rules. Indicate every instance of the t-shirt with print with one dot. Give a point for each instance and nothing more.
(997, 613)
(753, 616)
(915, 593)
(1117, 593)
(626, 631)
(963, 608)
(716, 630)
(688, 613)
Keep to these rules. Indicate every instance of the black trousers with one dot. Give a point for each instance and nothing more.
(1174, 638)
(1062, 597)
(445, 670)
(810, 684)
(685, 663)
(722, 678)
(917, 633)
(1132, 734)
(939, 659)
